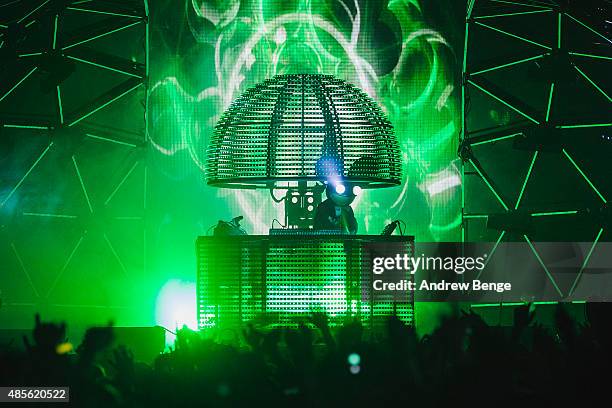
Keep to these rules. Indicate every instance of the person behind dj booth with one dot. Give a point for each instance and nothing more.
(335, 213)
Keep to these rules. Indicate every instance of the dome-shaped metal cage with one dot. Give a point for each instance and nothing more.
(303, 127)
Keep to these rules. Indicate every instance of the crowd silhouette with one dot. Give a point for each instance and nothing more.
(463, 362)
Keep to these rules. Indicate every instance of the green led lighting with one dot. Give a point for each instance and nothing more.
(61, 272)
(23, 268)
(103, 105)
(101, 35)
(508, 64)
(470, 8)
(59, 105)
(495, 139)
(579, 54)
(593, 83)
(501, 236)
(107, 139)
(584, 126)
(49, 215)
(55, 31)
(517, 3)
(586, 261)
(537, 255)
(584, 176)
(497, 98)
(518, 37)
(490, 186)
(26, 174)
(544, 214)
(559, 31)
(26, 126)
(518, 200)
(22, 19)
(120, 183)
(82, 184)
(123, 268)
(18, 83)
(95, 64)
(550, 97)
(30, 54)
(512, 14)
(108, 13)
(476, 216)
(589, 28)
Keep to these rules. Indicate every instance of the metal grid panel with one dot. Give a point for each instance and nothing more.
(280, 280)
(303, 127)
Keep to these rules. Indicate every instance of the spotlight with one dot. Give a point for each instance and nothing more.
(340, 189)
(356, 190)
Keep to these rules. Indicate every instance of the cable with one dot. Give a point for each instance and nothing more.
(279, 223)
(276, 200)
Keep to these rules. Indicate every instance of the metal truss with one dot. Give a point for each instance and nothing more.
(74, 47)
(531, 121)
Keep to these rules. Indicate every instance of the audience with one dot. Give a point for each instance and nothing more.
(464, 362)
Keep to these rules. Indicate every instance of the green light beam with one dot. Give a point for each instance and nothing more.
(504, 102)
(48, 215)
(61, 272)
(589, 28)
(18, 83)
(512, 14)
(550, 277)
(55, 31)
(82, 184)
(120, 184)
(518, 200)
(26, 126)
(518, 37)
(489, 185)
(550, 97)
(59, 105)
(144, 193)
(26, 175)
(593, 83)
(476, 216)
(30, 54)
(25, 271)
(101, 35)
(491, 254)
(103, 105)
(33, 11)
(547, 213)
(559, 31)
(584, 264)
(516, 3)
(579, 54)
(107, 139)
(108, 13)
(508, 64)
(95, 64)
(584, 126)
(584, 176)
(495, 139)
(470, 8)
(116, 256)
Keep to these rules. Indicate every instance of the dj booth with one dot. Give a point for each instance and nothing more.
(281, 279)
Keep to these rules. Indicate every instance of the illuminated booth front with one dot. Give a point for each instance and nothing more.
(298, 134)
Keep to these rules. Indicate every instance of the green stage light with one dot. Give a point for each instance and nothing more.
(176, 305)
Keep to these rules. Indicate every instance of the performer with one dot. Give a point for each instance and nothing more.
(335, 213)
